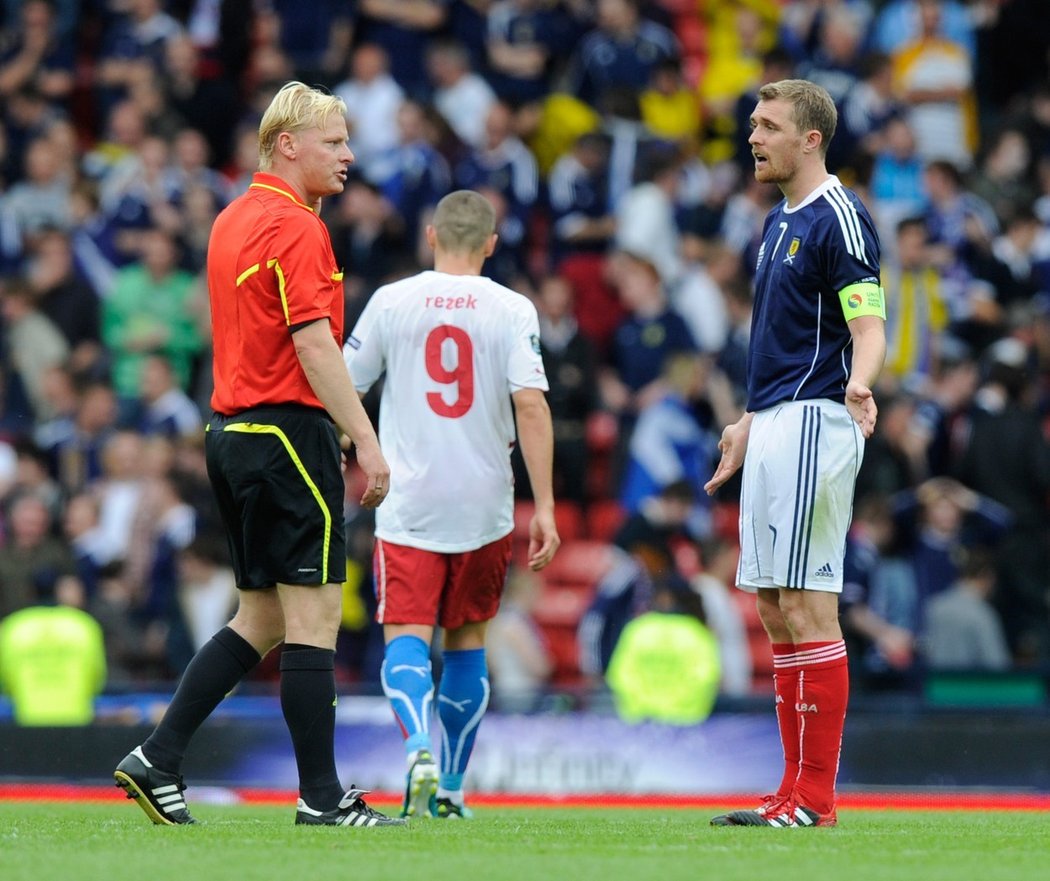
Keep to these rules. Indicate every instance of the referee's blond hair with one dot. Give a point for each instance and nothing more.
(463, 222)
(295, 107)
(812, 106)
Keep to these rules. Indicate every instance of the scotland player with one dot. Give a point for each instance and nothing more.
(817, 345)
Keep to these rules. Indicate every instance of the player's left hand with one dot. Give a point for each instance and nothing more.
(861, 406)
(543, 539)
(371, 460)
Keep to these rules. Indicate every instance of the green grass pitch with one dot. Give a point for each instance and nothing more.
(92, 841)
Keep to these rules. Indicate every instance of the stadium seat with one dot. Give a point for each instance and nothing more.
(567, 517)
(581, 562)
(604, 519)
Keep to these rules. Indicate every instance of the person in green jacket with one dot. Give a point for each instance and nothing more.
(53, 660)
(665, 666)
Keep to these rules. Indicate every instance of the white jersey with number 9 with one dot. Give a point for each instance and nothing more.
(454, 348)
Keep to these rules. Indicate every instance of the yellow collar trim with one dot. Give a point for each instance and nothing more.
(285, 193)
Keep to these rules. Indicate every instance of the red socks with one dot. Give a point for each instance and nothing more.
(785, 684)
(823, 691)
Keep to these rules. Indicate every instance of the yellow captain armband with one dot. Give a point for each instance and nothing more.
(862, 298)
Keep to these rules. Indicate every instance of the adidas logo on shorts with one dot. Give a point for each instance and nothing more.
(824, 571)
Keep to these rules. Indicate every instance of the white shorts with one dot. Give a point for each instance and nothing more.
(796, 499)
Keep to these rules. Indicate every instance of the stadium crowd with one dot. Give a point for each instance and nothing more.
(612, 138)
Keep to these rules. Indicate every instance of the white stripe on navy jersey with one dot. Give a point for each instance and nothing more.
(848, 220)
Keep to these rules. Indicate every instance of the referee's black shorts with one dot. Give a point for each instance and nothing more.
(277, 476)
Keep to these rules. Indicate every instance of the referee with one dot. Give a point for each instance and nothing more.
(282, 398)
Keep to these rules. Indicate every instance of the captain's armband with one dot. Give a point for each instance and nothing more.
(863, 298)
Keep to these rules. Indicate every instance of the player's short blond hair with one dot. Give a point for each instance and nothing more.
(463, 222)
(295, 107)
(811, 105)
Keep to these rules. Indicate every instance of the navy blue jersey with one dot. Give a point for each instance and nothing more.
(818, 262)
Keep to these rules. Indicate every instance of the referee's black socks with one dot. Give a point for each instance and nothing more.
(213, 673)
(308, 701)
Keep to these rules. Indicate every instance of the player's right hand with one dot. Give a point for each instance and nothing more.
(733, 445)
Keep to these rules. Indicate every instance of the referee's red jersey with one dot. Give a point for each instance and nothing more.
(270, 269)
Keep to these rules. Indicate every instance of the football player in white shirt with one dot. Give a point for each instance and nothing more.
(456, 348)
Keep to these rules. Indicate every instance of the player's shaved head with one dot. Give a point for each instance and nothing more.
(463, 222)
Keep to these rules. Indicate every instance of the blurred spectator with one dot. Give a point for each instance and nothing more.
(741, 56)
(520, 664)
(668, 444)
(620, 51)
(37, 53)
(869, 106)
(166, 410)
(569, 362)
(417, 175)
(80, 529)
(700, 297)
(31, 477)
(665, 666)
(879, 604)
(715, 586)
(32, 343)
(404, 28)
(621, 593)
(190, 168)
(1004, 178)
(917, 310)
(133, 44)
(897, 179)
(955, 216)
(205, 105)
(148, 311)
(198, 210)
(138, 196)
(645, 217)
(524, 41)
(1004, 455)
(651, 331)
(963, 630)
(207, 592)
(32, 559)
(895, 457)
(366, 239)
(504, 164)
(36, 203)
(135, 655)
(461, 96)
(65, 297)
(935, 522)
(578, 191)
(119, 491)
(934, 77)
(1021, 257)
(53, 660)
(315, 36)
(899, 23)
(126, 127)
(834, 62)
(670, 109)
(373, 101)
